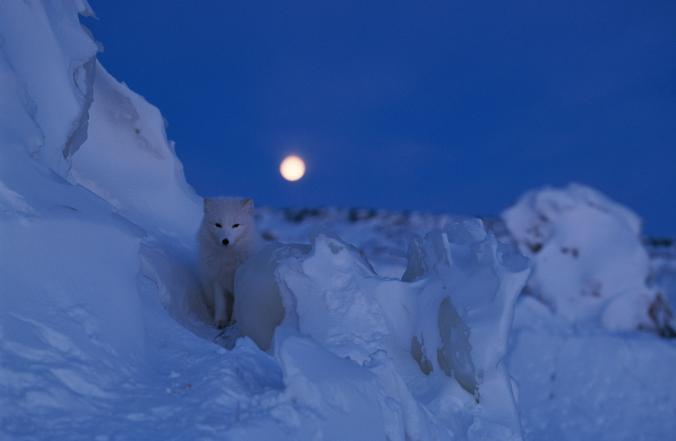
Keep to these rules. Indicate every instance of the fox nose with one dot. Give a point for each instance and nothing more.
(226, 241)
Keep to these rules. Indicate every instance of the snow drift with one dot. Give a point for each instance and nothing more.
(432, 343)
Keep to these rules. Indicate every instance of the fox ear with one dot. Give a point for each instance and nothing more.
(247, 204)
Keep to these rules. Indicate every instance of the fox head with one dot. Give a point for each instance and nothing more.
(228, 220)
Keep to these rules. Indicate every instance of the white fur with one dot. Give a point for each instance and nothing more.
(217, 262)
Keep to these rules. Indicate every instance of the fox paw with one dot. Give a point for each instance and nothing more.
(220, 323)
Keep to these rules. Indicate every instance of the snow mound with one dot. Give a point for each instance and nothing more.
(432, 344)
(589, 262)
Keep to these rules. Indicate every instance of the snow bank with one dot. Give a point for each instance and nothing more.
(432, 343)
(128, 161)
(75, 305)
(45, 114)
(589, 262)
(78, 107)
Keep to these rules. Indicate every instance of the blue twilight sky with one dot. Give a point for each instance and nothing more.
(453, 106)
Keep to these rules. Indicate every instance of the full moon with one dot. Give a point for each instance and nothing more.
(292, 168)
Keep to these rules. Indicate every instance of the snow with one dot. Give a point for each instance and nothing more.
(355, 324)
(590, 262)
(40, 38)
(590, 385)
(663, 268)
(330, 293)
(128, 161)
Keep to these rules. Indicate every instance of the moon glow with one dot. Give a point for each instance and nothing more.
(292, 168)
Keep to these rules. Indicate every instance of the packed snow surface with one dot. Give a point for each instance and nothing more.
(351, 324)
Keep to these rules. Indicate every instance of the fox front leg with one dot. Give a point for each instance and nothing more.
(220, 307)
(229, 305)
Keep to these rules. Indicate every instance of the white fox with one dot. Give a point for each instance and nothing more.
(226, 238)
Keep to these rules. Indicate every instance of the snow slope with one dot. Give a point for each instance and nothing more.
(128, 161)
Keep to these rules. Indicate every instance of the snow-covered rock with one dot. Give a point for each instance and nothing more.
(589, 262)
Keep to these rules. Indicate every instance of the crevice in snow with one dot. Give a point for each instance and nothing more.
(83, 77)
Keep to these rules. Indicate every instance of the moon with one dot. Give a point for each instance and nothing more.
(292, 168)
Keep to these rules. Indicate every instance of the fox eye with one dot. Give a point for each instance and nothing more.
(217, 225)
(235, 225)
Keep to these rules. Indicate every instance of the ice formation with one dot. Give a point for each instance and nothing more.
(433, 342)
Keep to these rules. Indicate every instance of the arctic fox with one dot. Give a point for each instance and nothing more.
(226, 238)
